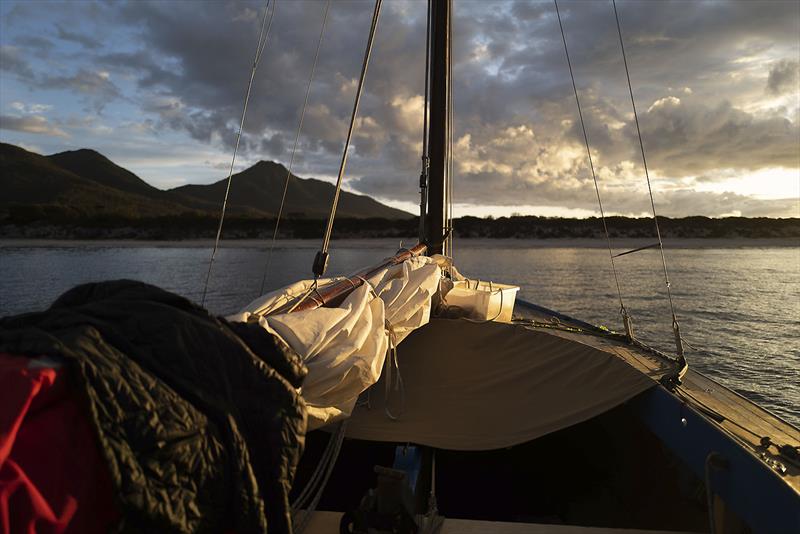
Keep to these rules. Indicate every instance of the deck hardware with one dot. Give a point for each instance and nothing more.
(773, 463)
(627, 320)
(791, 454)
(320, 263)
(390, 506)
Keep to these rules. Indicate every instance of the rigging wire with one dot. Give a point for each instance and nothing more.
(294, 149)
(675, 325)
(623, 311)
(448, 242)
(423, 177)
(321, 259)
(263, 37)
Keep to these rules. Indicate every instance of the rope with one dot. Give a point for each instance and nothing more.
(306, 295)
(294, 149)
(675, 325)
(391, 360)
(263, 37)
(623, 312)
(319, 479)
(432, 522)
(320, 266)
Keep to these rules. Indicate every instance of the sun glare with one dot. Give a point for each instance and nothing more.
(764, 184)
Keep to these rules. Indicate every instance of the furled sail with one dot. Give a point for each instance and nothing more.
(345, 347)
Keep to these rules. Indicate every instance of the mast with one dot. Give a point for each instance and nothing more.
(437, 129)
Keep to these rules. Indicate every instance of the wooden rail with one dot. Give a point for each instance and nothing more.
(333, 294)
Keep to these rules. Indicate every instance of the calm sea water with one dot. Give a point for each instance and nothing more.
(739, 307)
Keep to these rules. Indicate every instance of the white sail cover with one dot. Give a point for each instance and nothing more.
(483, 386)
(345, 348)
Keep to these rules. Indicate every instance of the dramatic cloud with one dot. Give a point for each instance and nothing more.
(716, 88)
(12, 62)
(34, 124)
(783, 77)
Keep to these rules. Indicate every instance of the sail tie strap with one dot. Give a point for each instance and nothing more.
(390, 362)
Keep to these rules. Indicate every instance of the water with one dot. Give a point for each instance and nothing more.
(739, 306)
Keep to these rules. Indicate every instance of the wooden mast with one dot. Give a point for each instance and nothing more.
(437, 128)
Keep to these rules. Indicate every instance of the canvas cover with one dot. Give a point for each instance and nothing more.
(483, 386)
(345, 347)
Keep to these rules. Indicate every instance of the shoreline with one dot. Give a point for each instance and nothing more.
(367, 243)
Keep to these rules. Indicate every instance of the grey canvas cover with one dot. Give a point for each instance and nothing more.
(482, 386)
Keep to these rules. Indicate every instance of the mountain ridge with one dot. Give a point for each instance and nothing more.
(84, 182)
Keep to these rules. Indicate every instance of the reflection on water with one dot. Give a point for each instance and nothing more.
(740, 307)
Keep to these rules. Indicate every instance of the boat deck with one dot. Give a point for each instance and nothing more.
(743, 420)
(326, 522)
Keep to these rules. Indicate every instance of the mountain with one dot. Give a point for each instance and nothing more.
(98, 168)
(36, 184)
(258, 191)
(84, 183)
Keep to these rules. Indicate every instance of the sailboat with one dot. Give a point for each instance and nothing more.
(434, 401)
(433, 408)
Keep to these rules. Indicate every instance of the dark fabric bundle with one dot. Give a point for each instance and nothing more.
(202, 429)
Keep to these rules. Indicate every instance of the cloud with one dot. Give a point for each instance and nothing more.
(783, 77)
(685, 139)
(39, 45)
(687, 202)
(83, 40)
(11, 60)
(712, 82)
(35, 124)
(93, 84)
(30, 108)
(85, 81)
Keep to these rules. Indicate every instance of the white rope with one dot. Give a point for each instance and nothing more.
(432, 522)
(318, 481)
(263, 37)
(389, 362)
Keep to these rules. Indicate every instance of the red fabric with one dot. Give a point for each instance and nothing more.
(53, 478)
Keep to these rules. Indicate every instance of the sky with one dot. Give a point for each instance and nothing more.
(158, 87)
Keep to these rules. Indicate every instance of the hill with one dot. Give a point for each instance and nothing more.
(37, 186)
(257, 192)
(75, 185)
